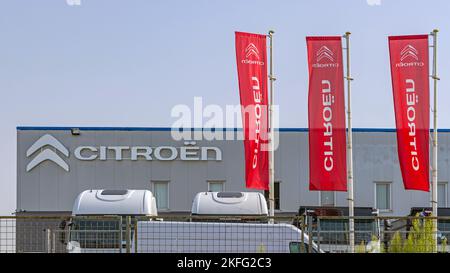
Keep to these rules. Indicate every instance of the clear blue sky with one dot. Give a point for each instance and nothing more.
(128, 62)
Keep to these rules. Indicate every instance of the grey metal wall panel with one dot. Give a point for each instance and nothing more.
(289, 169)
(306, 197)
(182, 200)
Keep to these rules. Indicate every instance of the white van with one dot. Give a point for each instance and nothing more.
(218, 237)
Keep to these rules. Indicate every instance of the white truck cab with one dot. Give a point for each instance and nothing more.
(221, 237)
(91, 230)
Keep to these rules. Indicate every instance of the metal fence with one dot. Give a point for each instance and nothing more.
(122, 234)
(381, 234)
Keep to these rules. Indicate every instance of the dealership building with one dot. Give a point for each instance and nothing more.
(55, 164)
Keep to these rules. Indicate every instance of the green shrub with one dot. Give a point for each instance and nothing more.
(396, 244)
(361, 248)
(419, 239)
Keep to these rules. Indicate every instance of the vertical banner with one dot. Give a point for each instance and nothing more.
(326, 115)
(410, 86)
(251, 57)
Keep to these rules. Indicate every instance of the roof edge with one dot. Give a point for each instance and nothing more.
(169, 129)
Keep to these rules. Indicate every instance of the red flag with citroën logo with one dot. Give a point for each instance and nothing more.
(409, 58)
(251, 57)
(326, 115)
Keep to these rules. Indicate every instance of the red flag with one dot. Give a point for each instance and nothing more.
(410, 86)
(326, 115)
(251, 56)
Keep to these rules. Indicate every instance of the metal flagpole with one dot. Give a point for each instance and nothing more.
(434, 172)
(271, 137)
(349, 149)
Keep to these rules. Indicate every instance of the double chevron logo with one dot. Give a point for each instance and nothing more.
(251, 50)
(47, 147)
(324, 53)
(325, 58)
(409, 52)
(252, 55)
(409, 57)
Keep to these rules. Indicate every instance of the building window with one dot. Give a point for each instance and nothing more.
(276, 194)
(161, 192)
(327, 198)
(383, 196)
(442, 194)
(216, 186)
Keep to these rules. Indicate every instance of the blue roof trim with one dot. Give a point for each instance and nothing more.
(168, 129)
(158, 129)
(370, 130)
(37, 128)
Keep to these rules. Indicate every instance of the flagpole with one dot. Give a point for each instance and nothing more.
(434, 172)
(271, 137)
(350, 199)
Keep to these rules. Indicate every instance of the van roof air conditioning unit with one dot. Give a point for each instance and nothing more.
(115, 202)
(229, 204)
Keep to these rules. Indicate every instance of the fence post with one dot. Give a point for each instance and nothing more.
(135, 235)
(318, 232)
(303, 219)
(49, 240)
(128, 234)
(310, 234)
(53, 242)
(120, 233)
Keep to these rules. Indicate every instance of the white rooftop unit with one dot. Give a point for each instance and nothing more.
(229, 203)
(115, 202)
